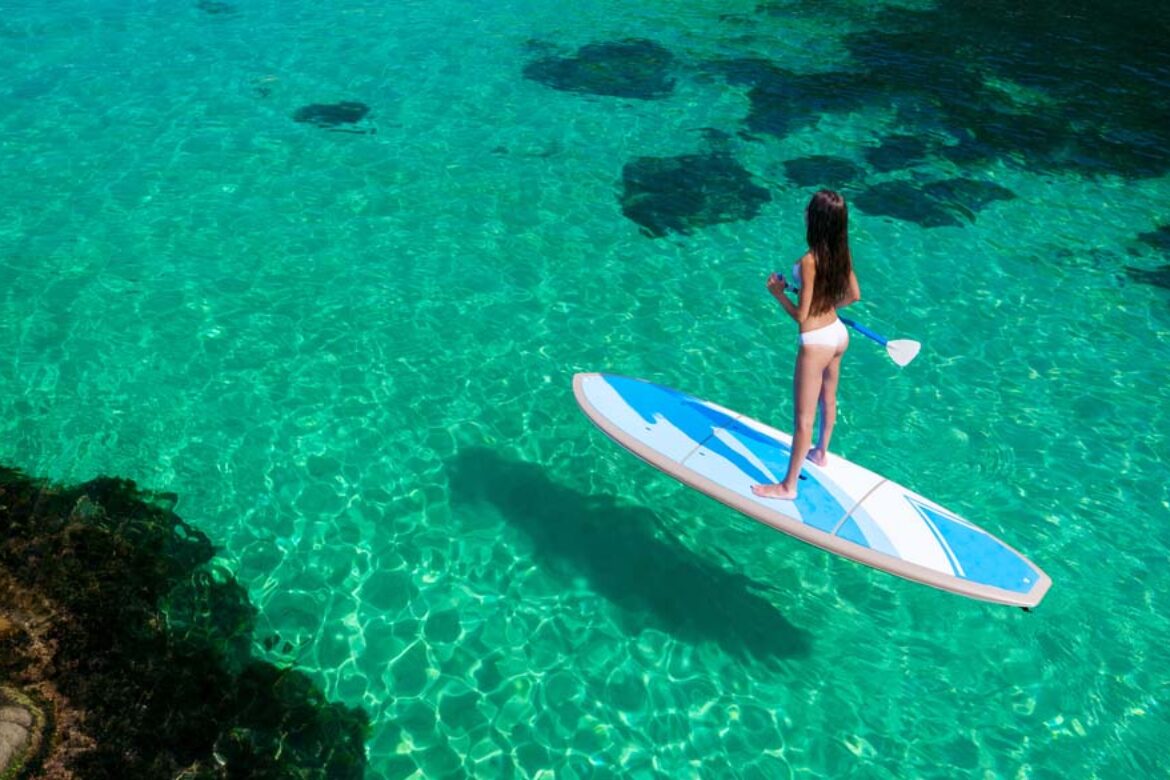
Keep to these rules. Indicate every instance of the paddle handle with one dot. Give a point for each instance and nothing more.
(865, 331)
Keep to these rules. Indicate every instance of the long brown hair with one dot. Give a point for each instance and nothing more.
(827, 233)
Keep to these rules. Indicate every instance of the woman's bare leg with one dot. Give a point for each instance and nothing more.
(827, 404)
(811, 364)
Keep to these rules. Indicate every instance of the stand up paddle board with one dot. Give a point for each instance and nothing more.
(841, 507)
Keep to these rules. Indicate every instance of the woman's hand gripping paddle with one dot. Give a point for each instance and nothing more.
(901, 351)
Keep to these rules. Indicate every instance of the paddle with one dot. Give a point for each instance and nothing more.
(901, 351)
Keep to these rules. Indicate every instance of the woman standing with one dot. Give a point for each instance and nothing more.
(826, 282)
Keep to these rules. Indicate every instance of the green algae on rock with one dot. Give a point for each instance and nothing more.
(22, 726)
(147, 649)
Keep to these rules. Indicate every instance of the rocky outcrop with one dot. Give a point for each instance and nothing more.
(124, 653)
(22, 730)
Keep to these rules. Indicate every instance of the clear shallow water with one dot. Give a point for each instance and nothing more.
(350, 355)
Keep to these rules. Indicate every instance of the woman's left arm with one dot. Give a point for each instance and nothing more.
(777, 285)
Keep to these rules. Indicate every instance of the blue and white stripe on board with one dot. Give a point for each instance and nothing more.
(841, 507)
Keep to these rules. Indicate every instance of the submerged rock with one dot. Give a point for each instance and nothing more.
(819, 170)
(897, 151)
(112, 612)
(215, 7)
(967, 196)
(22, 726)
(782, 100)
(336, 117)
(905, 201)
(632, 68)
(938, 203)
(664, 194)
(1015, 78)
(1158, 277)
(1158, 239)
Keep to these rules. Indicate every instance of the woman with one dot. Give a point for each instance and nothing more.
(826, 282)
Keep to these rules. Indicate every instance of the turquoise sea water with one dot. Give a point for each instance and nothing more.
(350, 354)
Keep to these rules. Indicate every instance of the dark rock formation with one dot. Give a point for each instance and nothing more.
(340, 117)
(1022, 89)
(632, 68)
(141, 651)
(941, 203)
(783, 101)
(897, 151)
(1159, 239)
(215, 7)
(22, 727)
(993, 82)
(664, 194)
(818, 170)
(1158, 277)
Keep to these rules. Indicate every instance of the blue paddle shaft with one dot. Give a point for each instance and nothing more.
(855, 325)
(865, 331)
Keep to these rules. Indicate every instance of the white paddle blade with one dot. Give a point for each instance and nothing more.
(902, 351)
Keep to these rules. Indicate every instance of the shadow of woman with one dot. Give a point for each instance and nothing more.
(627, 558)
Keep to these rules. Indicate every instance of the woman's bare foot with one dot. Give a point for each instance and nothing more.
(819, 457)
(775, 490)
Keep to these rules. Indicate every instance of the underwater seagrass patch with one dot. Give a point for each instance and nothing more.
(931, 204)
(630, 68)
(905, 201)
(680, 194)
(215, 7)
(967, 196)
(1158, 277)
(822, 170)
(1159, 239)
(897, 151)
(782, 101)
(340, 117)
(1023, 92)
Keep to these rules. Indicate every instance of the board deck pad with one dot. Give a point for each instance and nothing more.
(841, 507)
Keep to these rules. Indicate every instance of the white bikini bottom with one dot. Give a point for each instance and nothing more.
(832, 335)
